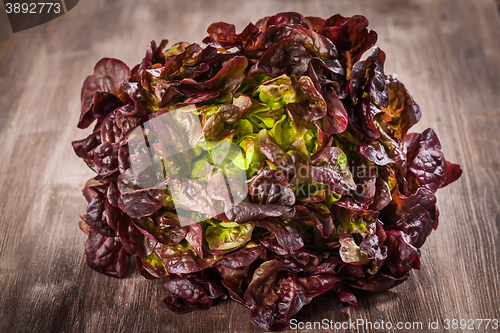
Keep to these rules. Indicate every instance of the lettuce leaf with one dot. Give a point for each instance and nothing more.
(270, 165)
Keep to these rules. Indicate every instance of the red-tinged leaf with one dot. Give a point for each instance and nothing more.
(109, 75)
(286, 169)
(285, 57)
(133, 240)
(402, 256)
(106, 254)
(184, 296)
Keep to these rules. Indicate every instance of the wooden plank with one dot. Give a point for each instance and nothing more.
(447, 53)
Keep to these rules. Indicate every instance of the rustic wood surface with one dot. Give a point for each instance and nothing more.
(447, 53)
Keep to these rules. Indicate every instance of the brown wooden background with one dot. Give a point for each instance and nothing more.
(446, 51)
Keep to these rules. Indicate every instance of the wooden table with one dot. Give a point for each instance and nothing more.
(447, 53)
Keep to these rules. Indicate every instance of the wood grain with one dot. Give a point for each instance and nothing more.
(447, 53)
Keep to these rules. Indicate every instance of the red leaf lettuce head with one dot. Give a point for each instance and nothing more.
(268, 166)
